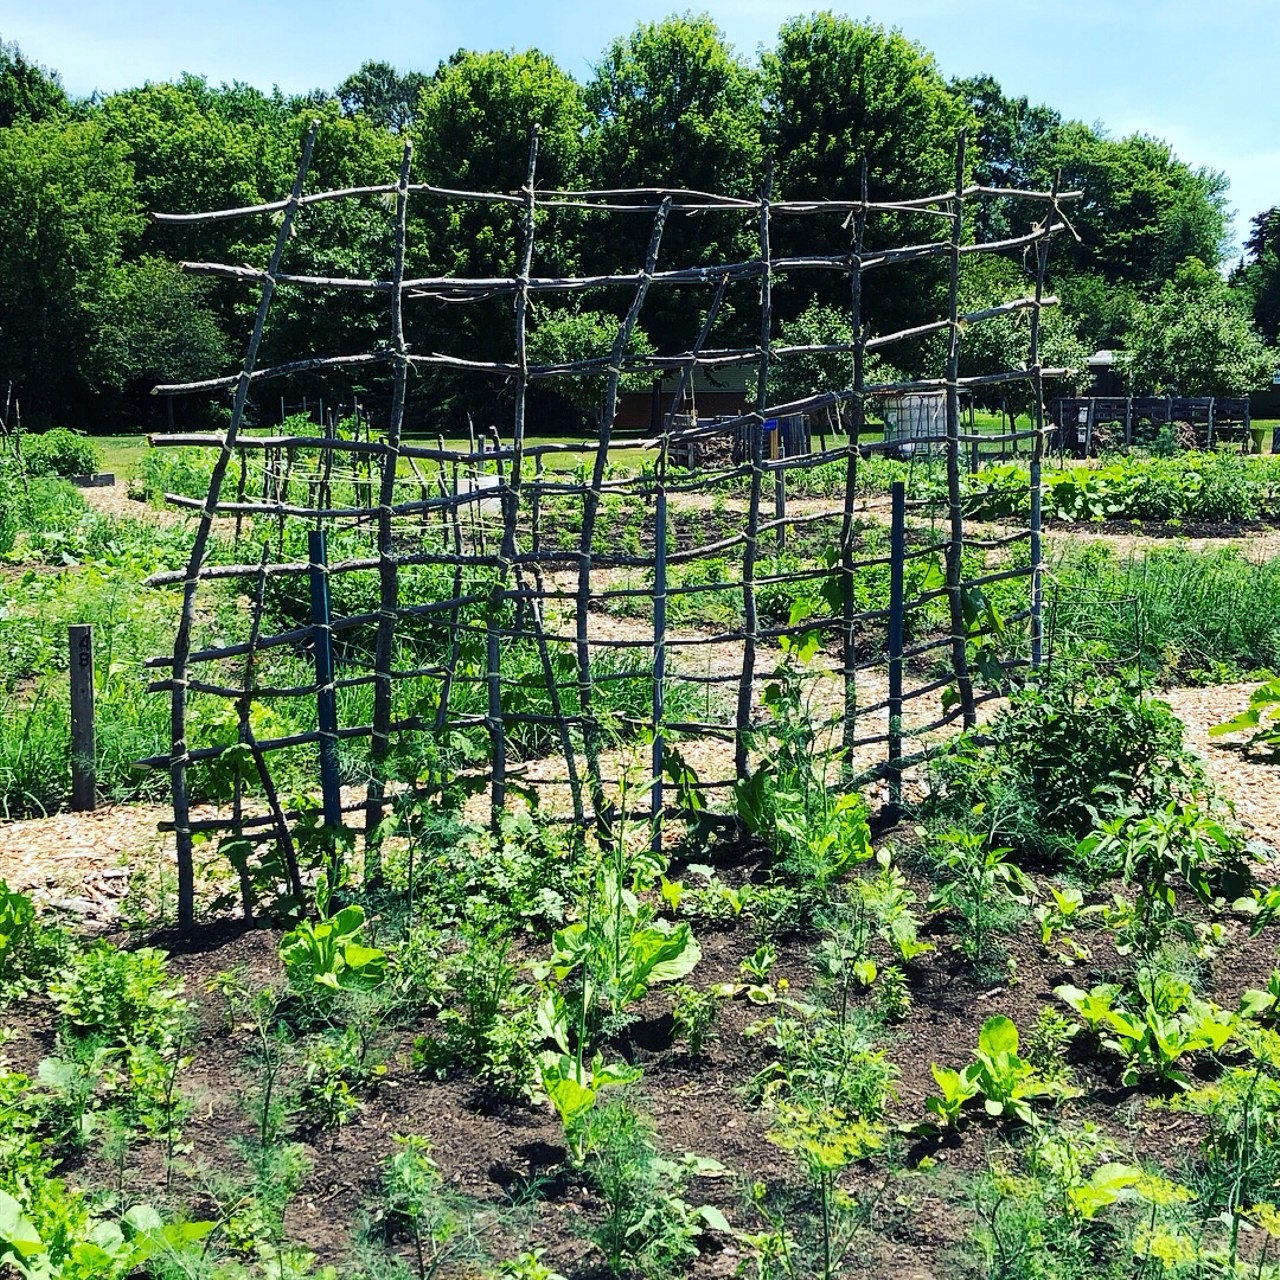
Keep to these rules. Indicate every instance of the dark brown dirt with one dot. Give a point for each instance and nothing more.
(509, 1159)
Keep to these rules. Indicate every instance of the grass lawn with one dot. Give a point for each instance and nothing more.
(122, 454)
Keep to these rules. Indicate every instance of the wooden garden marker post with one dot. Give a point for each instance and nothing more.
(83, 745)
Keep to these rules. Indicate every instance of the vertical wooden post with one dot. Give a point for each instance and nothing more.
(848, 525)
(897, 632)
(178, 757)
(388, 564)
(83, 743)
(535, 505)
(1037, 444)
(750, 614)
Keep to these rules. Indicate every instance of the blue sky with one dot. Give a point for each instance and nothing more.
(1202, 75)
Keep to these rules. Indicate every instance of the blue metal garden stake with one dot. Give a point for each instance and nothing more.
(897, 610)
(326, 694)
(659, 647)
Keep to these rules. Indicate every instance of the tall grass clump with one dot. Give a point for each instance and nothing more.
(1191, 617)
(129, 625)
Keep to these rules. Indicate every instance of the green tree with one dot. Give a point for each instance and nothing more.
(569, 335)
(1102, 310)
(1010, 140)
(475, 122)
(382, 95)
(68, 210)
(350, 238)
(27, 91)
(1144, 211)
(1196, 339)
(838, 93)
(1002, 344)
(153, 326)
(810, 373)
(194, 147)
(674, 106)
(1258, 275)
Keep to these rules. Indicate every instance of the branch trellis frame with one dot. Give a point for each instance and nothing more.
(476, 516)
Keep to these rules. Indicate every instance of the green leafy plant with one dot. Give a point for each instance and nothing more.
(892, 995)
(60, 452)
(29, 950)
(416, 1203)
(648, 1226)
(1261, 720)
(1065, 754)
(573, 1087)
(17, 921)
(694, 1015)
(1155, 1032)
(825, 1142)
(119, 996)
(525, 1266)
(1059, 918)
(820, 1058)
(1262, 1003)
(327, 956)
(93, 1247)
(889, 901)
(336, 1068)
(1006, 1083)
(489, 1026)
(956, 1089)
(619, 948)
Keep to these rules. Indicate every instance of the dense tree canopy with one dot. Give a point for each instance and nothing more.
(672, 105)
(475, 121)
(93, 308)
(68, 207)
(839, 93)
(382, 95)
(1258, 277)
(27, 92)
(1008, 148)
(1144, 211)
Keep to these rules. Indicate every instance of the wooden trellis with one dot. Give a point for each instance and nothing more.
(476, 517)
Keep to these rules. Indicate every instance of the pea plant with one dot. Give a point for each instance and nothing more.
(980, 884)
